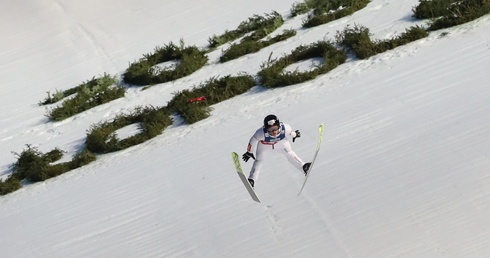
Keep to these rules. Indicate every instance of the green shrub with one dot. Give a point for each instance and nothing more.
(241, 49)
(255, 23)
(449, 13)
(214, 91)
(145, 71)
(58, 95)
(102, 137)
(90, 94)
(195, 113)
(30, 161)
(411, 34)
(272, 74)
(329, 10)
(357, 40)
(50, 171)
(53, 155)
(11, 184)
(461, 12)
(302, 7)
(251, 46)
(430, 9)
(34, 166)
(82, 158)
(91, 84)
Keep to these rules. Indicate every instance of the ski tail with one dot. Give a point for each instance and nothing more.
(320, 138)
(239, 170)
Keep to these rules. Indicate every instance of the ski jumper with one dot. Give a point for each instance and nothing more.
(267, 145)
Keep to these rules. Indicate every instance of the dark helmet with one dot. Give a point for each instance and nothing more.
(270, 120)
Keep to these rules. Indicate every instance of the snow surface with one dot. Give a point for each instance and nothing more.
(403, 170)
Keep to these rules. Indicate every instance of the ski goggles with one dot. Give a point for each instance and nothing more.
(273, 129)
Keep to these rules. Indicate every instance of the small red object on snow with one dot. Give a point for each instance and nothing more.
(198, 99)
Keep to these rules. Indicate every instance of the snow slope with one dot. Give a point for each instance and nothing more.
(403, 170)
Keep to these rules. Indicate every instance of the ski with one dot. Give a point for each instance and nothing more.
(239, 170)
(320, 137)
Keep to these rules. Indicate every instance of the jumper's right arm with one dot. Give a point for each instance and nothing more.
(252, 143)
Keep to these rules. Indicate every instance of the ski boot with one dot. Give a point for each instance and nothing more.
(251, 181)
(306, 168)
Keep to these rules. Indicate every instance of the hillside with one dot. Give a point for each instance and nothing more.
(403, 170)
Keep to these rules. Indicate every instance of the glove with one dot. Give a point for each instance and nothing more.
(298, 134)
(247, 155)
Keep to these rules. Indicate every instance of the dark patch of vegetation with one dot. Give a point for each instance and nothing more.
(146, 72)
(102, 137)
(299, 8)
(34, 166)
(88, 95)
(357, 40)
(260, 24)
(247, 46)
(214, 90)
(325, 11)
(432, 9)
(59, 95)
(11, 184)
(450, 13)
(252, 43)
(272, 74)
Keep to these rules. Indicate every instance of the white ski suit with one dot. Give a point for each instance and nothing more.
(266, 145)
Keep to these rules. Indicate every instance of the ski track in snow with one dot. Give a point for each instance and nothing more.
(276, 228)
(85, 33)
(329, 227)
